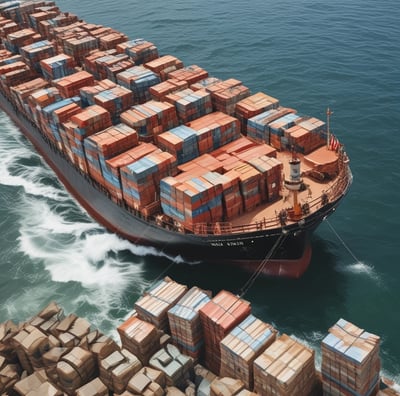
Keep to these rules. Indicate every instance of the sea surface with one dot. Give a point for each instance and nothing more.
(310, 54)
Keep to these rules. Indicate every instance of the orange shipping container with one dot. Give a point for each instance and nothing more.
(69, 86)
(256, 152)
(205, 161)
(113, 164)
(164, 65)
(111, 40)
(161, 90)
(21, 92)
(190, 74)
(256, 104)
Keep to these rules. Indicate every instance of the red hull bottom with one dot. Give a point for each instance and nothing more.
(282, 268)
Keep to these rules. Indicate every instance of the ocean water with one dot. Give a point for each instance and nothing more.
(310, 54)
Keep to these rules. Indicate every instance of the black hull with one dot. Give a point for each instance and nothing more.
(247, 249)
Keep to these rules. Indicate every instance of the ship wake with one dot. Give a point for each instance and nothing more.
(82, 265)
(21, 166)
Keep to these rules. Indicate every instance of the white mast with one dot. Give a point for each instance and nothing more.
(328, 138)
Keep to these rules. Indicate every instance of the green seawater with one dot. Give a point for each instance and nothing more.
(309, 54)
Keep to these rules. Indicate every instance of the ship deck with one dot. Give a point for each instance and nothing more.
(314, 189)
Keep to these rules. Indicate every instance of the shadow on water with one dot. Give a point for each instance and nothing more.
(311, 303)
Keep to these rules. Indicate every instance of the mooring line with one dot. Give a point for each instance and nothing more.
(342, 242)
(262, 265)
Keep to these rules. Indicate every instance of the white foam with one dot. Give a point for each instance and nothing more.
(80, 251)
(395, 378)
(58, 235)
(83, 253)
(12, 173)
(77, 251)
(360, 268)
(316, 337)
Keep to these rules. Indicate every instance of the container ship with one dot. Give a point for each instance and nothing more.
(165, 154)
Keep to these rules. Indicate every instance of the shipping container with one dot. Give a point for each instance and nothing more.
(153, 306)
(87, 93)
(139, 50)
(215, 130)
(69, 86)
(161, 90)
(32, 54)
(140, 180)
(104, 145)
(111, 170)
(151, 119)
(116, 100)
(180, 141)
(252, 106)
(57, 66)
(138, 79)
(79, 47)
(20, 93)
(258, 126)
(164, 65)
(190, 104)
(190, 74)
(191, 202)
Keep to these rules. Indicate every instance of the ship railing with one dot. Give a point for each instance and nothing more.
(224, 228)
(331, 194)
(342, 181)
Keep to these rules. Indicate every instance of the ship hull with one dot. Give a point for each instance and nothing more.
(283, 251)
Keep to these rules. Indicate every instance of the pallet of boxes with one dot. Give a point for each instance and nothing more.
(248, 357)
(58, 354)
(240, 348)
(285, 368)
(218, 317)
(178, 342)
(185, 324)
(51, 354)
(146, 336)
(350, 361)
